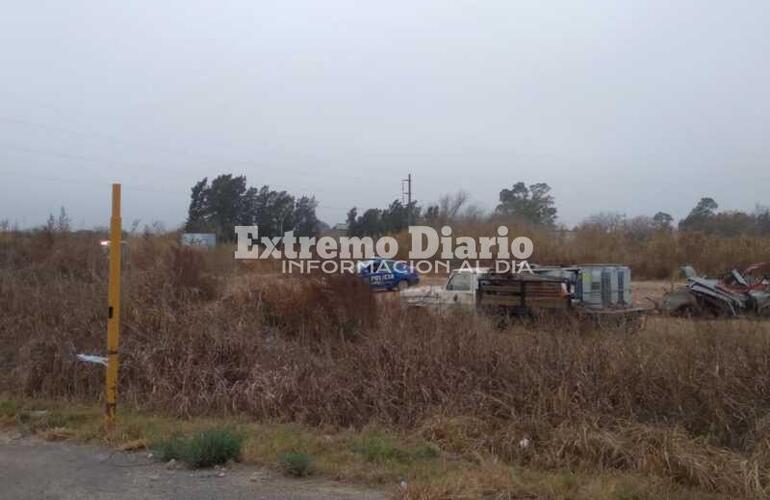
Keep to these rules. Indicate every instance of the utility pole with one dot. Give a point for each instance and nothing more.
(113, 322)
(408, 194)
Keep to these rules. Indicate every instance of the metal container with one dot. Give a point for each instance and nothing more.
(604, 285)
(624, 286)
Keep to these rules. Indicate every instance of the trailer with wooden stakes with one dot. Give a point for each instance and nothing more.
(593, 295)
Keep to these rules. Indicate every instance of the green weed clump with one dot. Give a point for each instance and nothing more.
(205, 449)
(8, 409)
(172, 448)
(376, 448)
(297, 464)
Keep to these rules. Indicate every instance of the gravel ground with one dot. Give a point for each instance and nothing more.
(31, 468)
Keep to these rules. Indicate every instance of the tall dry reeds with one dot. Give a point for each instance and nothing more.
(652, 255)
(685, 400)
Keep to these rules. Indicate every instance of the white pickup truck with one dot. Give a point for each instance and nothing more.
(459, 291)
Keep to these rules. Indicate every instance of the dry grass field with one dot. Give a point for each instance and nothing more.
(680, 409)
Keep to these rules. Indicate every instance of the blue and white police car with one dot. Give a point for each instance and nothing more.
(387, 274)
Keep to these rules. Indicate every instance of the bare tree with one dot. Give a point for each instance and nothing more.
(604, 221)
(450, 204)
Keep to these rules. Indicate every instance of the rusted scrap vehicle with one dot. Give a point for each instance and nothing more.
(738, 293)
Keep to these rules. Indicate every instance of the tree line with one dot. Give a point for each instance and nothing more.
(227, 201)
(531, 204)
(703, 218)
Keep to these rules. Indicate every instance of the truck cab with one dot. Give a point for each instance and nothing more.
(459, 291)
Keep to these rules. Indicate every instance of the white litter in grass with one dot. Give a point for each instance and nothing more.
(92, 358)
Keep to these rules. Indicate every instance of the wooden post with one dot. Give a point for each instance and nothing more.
(113, 321)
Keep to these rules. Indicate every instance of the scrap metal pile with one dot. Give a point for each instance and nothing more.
(739, 293)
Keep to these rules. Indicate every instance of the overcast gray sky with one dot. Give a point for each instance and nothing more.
(628, 106)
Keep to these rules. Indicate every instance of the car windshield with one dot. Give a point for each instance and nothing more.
(460, 282)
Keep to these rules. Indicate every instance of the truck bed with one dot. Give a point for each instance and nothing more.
(521, 293)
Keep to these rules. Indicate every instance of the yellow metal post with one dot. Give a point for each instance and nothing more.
(113, 322)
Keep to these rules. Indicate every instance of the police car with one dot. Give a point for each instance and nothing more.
(387, 274)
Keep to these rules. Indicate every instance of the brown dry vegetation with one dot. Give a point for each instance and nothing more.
(687, 402)
(654, 255)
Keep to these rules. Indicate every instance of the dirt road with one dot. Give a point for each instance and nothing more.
(34, 469)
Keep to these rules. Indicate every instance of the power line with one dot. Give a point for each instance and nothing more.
(87, 159)
(132, 187)
(156, 168)
(177, 173)
(100, 183)
(175, 151)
